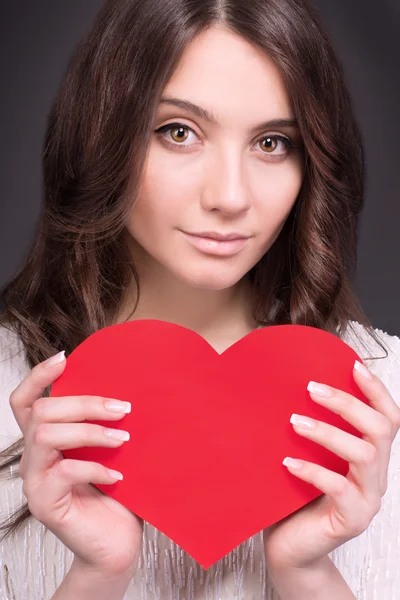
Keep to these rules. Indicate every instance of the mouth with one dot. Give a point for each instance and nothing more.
(217, 246)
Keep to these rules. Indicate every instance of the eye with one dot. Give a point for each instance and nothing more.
(172, 128)
(269, 143)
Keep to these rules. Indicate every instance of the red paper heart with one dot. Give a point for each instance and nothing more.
(209, 431)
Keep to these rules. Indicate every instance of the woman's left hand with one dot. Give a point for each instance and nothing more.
(348, 504)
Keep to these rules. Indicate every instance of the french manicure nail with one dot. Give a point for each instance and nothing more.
(117, 434)
(115, 474)
(320, 389)
(302, 421)
(118, 406)
(53, 360)
(295, 463)
(363, 370)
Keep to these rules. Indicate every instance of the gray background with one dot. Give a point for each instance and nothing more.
(37, 38)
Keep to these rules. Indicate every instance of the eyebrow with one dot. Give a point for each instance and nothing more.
(211, 118)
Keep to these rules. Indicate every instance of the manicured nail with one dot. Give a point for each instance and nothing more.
(118, 406)
(302, 421)
(117, 434)
(53, 360)
(115, 474)
(363, 370)
(295, 463)
(320, 389)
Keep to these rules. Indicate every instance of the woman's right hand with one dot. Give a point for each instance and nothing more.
(103, 534)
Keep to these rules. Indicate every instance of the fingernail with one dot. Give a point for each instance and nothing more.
(117, 434)
(302, 421)
(53, 360)
(295, 463)
(320, 389)
(363, 370)
(118, 406)
(115, 474)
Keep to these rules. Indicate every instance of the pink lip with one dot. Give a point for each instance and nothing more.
(219, 236)
(216, 247)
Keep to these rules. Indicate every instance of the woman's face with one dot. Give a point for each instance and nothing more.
(228, 176)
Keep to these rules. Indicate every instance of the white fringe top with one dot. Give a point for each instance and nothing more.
(34, 562)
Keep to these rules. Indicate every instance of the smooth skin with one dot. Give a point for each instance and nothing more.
(104, 535)
(233, 176)
(348, 504)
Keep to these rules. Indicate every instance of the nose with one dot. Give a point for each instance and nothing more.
(225, 188)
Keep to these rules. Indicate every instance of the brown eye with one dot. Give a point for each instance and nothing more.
(179, 132)
(269, 144)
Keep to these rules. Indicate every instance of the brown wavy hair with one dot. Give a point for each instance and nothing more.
(99, 129)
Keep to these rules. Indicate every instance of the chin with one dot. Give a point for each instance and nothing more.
(217, 278)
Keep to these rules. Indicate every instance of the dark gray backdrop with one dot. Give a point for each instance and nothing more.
(36, 40)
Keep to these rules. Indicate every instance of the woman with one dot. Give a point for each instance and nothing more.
(178, 122)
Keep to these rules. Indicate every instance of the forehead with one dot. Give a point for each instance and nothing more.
(221, 71)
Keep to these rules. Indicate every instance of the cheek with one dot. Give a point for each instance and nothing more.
(170, 173)
(276, 198)
(274, 204)
(165, 190)
(155, 209)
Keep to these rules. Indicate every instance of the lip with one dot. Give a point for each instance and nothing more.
(217, 247)
(219, 236)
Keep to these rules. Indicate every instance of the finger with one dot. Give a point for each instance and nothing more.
(51, 503)
(330, 483)
(73, 409)
(360, 415)
(69, 409)
(378, 394)
(376, 427)
(355, 516)
(50, 438)
(32, 387)
(361, 455)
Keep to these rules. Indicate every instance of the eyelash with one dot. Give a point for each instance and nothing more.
(169, 126)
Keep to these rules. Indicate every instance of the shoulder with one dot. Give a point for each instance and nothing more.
(357, 335)
(13, 368)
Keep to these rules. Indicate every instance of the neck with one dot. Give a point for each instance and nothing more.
(220, 316)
